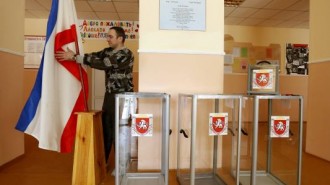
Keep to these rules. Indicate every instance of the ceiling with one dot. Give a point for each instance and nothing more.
(127, 10)
(268, 13)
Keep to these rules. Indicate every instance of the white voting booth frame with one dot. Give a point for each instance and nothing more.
(200, 155)
(139, 177)
(266, 175)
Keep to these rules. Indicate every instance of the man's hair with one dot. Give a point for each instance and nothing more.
(120, 32)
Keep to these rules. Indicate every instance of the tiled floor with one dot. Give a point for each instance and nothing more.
(40, 167)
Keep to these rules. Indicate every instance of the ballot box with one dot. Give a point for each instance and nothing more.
(263, 79)
(142, 138)
(272, 145)
(208, 141)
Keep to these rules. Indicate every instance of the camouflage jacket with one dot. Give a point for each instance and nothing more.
(118, 67)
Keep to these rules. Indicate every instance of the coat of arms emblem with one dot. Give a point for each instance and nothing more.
(280, 126)
(262, 79)
(218, 124)
(142, 124)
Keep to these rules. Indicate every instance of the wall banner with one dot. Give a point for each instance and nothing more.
(98, 29)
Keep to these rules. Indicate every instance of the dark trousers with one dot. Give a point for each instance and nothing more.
(108, 122)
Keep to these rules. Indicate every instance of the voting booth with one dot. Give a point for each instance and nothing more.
(142, 118)
(208, 139)
(273, 145)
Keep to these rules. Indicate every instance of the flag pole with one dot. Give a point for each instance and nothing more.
(83, 87)
(81, 76)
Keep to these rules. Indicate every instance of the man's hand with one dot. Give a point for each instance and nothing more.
(65, 55)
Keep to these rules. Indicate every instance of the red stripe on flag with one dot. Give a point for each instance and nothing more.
(69, 131)
(68, 135)
(63, 38)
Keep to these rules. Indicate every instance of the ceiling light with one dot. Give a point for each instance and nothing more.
(233, 3)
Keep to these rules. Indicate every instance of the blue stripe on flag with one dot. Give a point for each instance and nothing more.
(32, 103)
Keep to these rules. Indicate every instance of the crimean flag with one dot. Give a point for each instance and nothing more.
(49, 113)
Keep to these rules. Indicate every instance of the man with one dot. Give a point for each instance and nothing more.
(117, 62)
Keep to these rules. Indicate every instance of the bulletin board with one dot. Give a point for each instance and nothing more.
(33, 49)
(297, 56)
(243, 54)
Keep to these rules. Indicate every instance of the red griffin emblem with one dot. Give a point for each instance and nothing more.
(262, 79)
(279, 126)
(142, 125)
(218, 124)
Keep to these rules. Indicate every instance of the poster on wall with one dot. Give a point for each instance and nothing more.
(297, 59)
(98, 29)
(240, 59)
(33, 49)
(182, 15)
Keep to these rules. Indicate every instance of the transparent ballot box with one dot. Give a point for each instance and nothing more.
(271, 148)
(142, 139)
(208, 139)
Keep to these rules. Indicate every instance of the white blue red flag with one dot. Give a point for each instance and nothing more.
(57, 94)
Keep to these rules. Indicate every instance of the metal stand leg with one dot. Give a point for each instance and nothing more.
(234, 122)
(301, 103)
(269, 140)
(193, 141)
(215, 144)
(166, 103)
(255, 141)
(178, 152)
(117, 141)
(238, 163)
